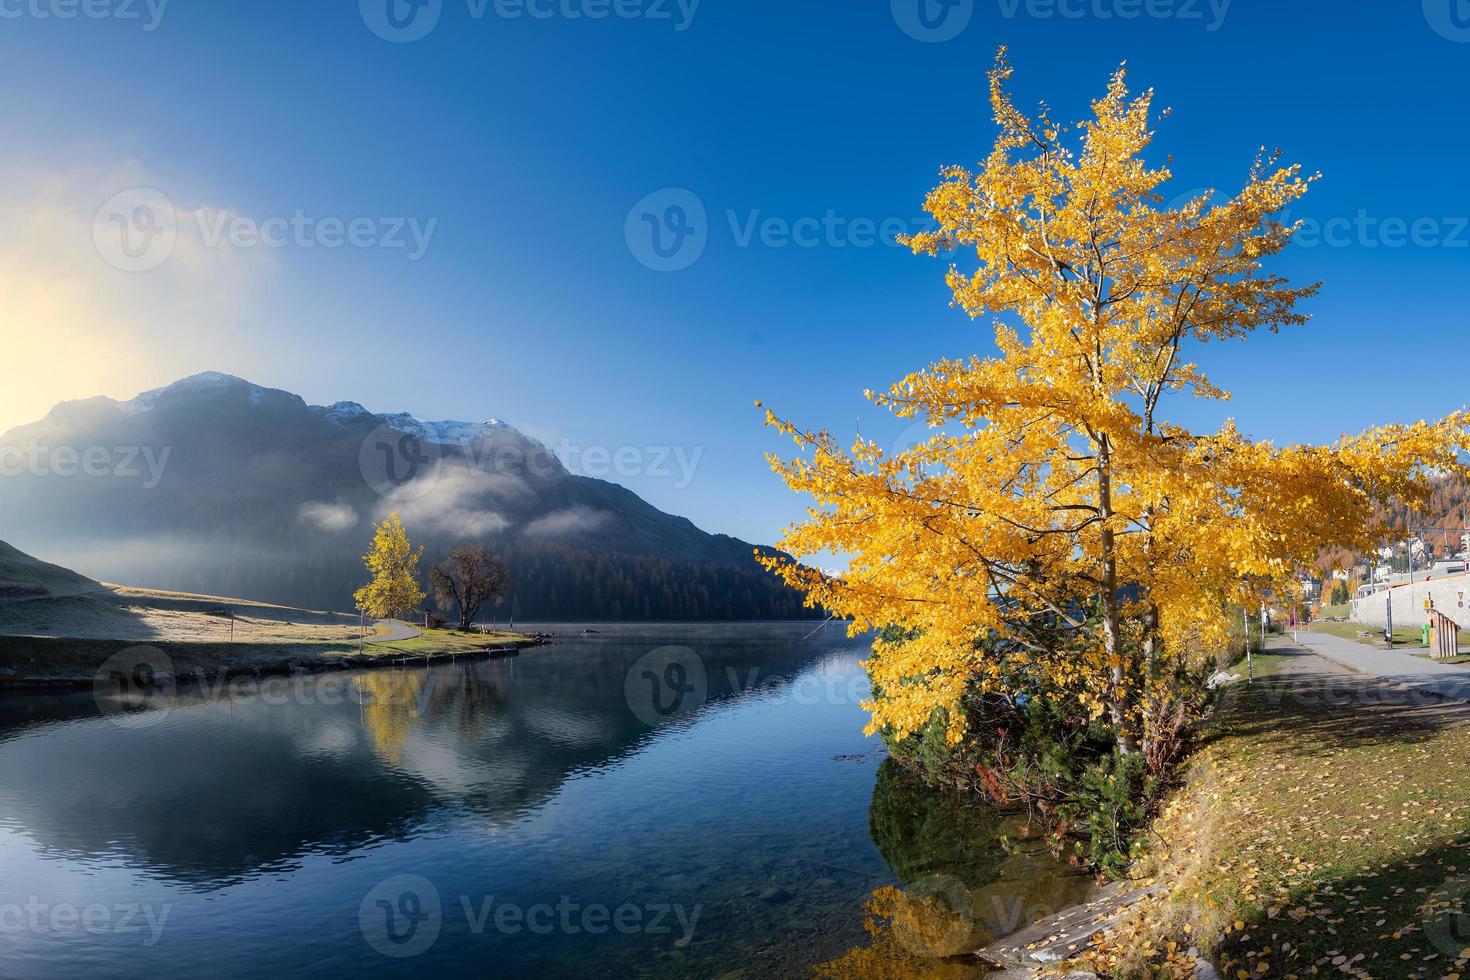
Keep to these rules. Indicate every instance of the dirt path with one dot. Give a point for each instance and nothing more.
(1385, 691)
(397, 630)
(1398, 666)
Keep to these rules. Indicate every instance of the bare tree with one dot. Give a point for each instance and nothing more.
(467, 579)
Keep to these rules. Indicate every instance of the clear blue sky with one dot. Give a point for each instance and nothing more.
(530, 139)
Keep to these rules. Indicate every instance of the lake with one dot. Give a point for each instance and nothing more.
(642, 800)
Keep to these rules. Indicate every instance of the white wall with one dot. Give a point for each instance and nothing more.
(1451, 596)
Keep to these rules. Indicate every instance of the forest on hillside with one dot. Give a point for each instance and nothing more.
(549, 582)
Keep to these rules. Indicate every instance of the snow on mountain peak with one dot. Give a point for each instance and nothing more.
(446, 432)
(341, 412)
(204, 381)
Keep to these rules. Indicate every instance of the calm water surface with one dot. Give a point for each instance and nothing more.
(669, 800)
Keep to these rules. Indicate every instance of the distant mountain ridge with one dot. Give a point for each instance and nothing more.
(218, 485)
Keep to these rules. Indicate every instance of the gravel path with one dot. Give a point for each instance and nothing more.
(397, 630)
(1393, 666)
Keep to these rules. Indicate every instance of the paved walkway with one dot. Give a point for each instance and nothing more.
(397, 630)
(1394, 666)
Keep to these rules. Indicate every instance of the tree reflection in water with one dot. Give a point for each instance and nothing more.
(391, 709)
(969, 875)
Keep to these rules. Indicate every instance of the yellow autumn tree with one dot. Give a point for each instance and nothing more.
(1056, 521)
(394, 566)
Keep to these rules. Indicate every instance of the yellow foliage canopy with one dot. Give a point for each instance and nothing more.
(1053, 494)
(394, 565)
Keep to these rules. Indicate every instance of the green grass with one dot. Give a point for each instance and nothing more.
(1337, 612)
(1407, 636)
(65, 659)
(440, 641)
(70, 659)
(1325, 824)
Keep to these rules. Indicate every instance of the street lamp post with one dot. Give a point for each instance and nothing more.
(1245, 618)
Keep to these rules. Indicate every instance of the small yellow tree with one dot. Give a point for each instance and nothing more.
(1056, 521)
(394, 566)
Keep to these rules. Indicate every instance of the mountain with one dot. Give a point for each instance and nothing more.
(24, 577)
(217, 485)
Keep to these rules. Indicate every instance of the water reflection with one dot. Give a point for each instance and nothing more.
(612, 771)
(969, 876)
(271, 770)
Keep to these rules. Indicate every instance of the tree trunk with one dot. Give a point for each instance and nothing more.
(1150, 663)
(1151, 640)
(1118, 701)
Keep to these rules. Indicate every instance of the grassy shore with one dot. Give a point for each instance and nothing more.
(1324, 827)
(66, 639)
(438, 642)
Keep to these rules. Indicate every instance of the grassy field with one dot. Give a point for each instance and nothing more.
(1324, 828)
(435, 642)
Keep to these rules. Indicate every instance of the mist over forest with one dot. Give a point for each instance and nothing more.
(217, 486)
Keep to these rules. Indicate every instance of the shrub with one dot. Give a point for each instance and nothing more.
(1043, 750)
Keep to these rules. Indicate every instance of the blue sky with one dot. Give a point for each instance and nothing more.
(522, 144)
